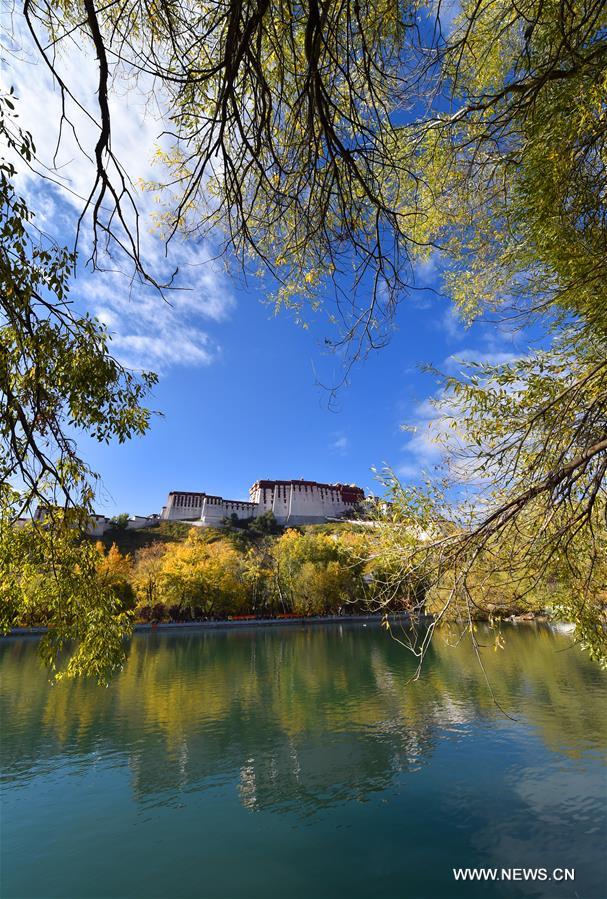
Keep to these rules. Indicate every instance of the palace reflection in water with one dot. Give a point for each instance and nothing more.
(310, 726)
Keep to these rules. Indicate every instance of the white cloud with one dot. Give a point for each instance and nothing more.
(457, 361)
(141, 351)
(437, 427)
(437, 446)
(340, 444)
(427, 280)
(428, 271)
(452, 324)
(409, 471)
(422, 453)
(147, 331)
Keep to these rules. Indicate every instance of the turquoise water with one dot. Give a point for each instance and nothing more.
(299, 763)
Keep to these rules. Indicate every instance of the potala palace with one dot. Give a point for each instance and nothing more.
(291, 502)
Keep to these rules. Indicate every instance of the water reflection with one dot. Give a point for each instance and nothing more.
(302, 762)
(299, 719)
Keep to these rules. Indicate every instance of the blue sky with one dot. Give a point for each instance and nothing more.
(238, 386)
(256, 410)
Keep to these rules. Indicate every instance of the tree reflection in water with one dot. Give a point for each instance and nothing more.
(299, 718)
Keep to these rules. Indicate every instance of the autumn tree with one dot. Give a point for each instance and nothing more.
(147, 571)
(203, 576)
(115, 571)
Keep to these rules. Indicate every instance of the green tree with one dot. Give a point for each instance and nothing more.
(285, 142)
(120, 522)
(316, 573)
(50, 576)
(265, 524)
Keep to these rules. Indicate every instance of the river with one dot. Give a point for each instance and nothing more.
(302, 763)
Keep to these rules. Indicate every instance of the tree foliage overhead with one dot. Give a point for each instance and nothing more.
(338, 141)
(283, 120)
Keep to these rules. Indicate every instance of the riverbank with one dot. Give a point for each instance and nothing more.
(400, 618)
(145, 627)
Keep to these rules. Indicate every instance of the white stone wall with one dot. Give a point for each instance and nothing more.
(141, 521)
(215, 509)
(292, 502)
(301, 502)
(97, 525)
(205, 509)
(183, 506)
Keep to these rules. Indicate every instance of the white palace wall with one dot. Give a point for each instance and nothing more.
(291, 502)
